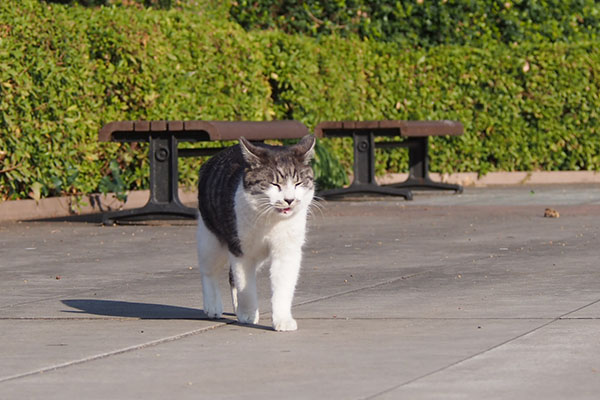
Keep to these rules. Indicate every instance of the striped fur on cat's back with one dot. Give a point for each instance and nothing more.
(253, 202)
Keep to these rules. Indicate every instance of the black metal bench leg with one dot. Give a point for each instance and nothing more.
(418, 178)
(164, 200)
(364, 171)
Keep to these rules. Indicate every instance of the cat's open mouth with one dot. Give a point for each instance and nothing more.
(285, 211)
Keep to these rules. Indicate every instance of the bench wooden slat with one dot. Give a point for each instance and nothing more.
(216, 130)
(198, 126)
(105, 134)
(430, 128)
(141, 126)
(254, 130)
(175, 126)
(158, 126)
(393, 128)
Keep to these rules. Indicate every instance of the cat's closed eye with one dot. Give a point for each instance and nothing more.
(278, 186)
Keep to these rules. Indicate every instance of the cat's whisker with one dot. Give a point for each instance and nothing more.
(317, 202)
(263, 209)
(315, 205)
(263, 213)
(260, 213)
(313, 214)
(318, 198)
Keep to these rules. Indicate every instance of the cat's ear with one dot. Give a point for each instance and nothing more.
(305, 148)
(252, 154)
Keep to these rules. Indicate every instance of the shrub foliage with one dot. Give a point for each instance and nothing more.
(67, 69)
(427, 23)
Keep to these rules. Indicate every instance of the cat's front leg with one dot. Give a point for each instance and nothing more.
(211, 258)
(244, 279)
(213, 307)
(284, 275)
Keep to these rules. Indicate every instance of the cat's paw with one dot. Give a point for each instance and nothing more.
(251, 317)
(285, 325)
(213, 311)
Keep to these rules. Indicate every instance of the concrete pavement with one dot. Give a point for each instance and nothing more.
(449, 296)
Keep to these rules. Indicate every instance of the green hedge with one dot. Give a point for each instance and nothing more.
(524, 107)
(67, 70)
(426, 23)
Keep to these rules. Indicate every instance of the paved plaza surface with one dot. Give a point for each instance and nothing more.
(470, 296)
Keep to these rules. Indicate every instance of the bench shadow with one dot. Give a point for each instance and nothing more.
(95, 218)
(126, 309)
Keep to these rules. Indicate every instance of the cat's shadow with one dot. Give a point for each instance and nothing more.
(126, 309)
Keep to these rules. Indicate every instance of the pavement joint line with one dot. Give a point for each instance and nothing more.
(71, 318)
(103, 319)
(566, 316)
(128, 349)
(431, 319)
(84, 291)
(429, 270)
(390, 281)
(300, 318)
(44, 299)
(453, 364)
(372, 286)
(78, 292)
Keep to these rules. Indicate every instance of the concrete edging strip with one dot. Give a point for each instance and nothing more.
(57, 207)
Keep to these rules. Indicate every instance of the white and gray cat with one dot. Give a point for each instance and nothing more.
(253, 201)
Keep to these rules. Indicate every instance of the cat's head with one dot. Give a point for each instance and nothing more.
(279, 178)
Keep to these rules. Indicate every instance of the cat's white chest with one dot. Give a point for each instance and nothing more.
(261, 235)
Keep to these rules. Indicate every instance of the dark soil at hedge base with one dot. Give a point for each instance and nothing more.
(70, 69)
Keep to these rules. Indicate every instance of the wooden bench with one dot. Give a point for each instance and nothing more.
(163, 155)
(364, 133)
